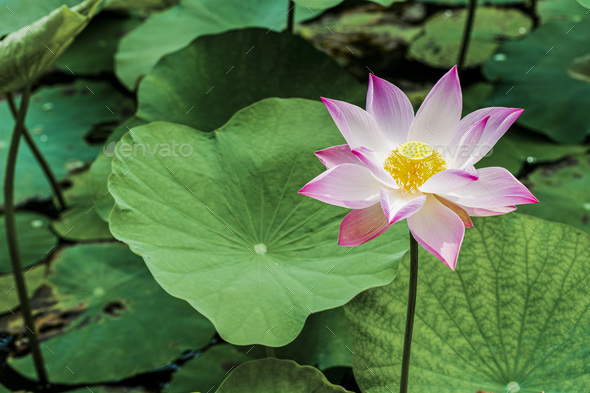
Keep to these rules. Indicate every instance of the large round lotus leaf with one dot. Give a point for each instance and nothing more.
(173, 29)
(101, 169)
(518, 146)
(563, 191)
(550, 10)
(441, 42)
(222, 222)
(27, 53)
(93, 51)
(513, 317)
(80, 221)
(35, 240)
(8, 293)
(204, 84)
(532, 75)
(274, 375)
(59, 117)
(207, 371)
(16, 14)
(129, 324)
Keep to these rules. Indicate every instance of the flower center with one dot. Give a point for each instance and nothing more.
(412, 163)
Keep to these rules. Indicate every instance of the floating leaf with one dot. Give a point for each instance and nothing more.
(142, 5)
(207, 371)
(532, 75)
(27, 53)
(563, 191)
(223, 223)
(93, 51)
(204, 84)
(441, 42)
(35, 240)
(141, 49)
(273, 375)
(8, 293)
(512, 317)
(81, 222)
(59, 118)
(129, 325)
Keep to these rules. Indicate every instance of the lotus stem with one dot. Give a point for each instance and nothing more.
(403, 388)
(39, 156)
(466, 34)
(12, 239)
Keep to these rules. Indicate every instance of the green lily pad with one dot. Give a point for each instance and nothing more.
(129, 324)
(59, 117)
(93, 51)
(141, 5)
(220, 70)
(35, 240)
(324, 341)
(27, 53)
(207, 371)
(274, 375)
(531, 74)
(141, 49)
(8, 294)
(225, 224)
(100, 169)
(550, 10)
(585, 3)
(441, 42)
(512, 317)
(80, 221)
(563, 191)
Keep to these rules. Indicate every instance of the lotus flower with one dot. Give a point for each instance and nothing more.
(399, 166)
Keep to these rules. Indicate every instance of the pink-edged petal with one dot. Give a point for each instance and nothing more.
(447, 181)
(336, 155)
(396, 206)
(458, 210)
(468, 144)
(371, 160)
(496, 211)
(500, 119)
(391, 108)
(357, 126)
(346, 185)
(361, 225)
(495, 187)
(438, 118)
(439, 230)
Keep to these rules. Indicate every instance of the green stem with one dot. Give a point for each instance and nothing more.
(39, 156)
(291, 17)
(12, 239)
(466, 34)
(403, 388)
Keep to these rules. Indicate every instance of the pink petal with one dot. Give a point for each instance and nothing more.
(500, 120)
(458, 210)
(447, 181)
(357, 126)
(496, 211)
(371, 161)
(360, 226)
(346, 185)
(495, 187)
(396, 206)
(391, 108)
(439, 230)
(336, 155)
(438, 117)
(468, 144)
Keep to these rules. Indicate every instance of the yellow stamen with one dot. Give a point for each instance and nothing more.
(412, 163)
